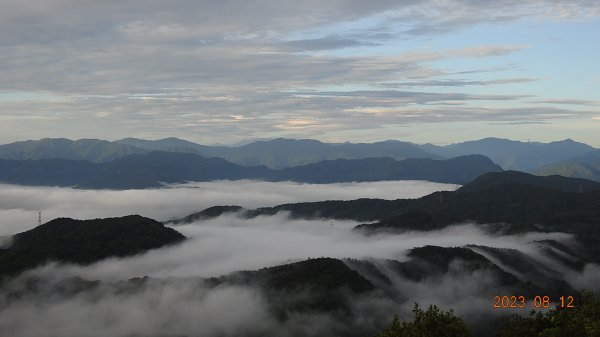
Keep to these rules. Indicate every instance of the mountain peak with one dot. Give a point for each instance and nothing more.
(93, 240)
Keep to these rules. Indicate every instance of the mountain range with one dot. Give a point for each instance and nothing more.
(283, 153)
(153, 169)
(514, 155)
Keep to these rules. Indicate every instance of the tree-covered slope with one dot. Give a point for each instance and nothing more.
(84, 241)
(520, 201)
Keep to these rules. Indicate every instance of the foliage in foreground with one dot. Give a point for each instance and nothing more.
(581, 321)
(432, 322)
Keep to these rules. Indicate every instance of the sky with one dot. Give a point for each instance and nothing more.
(437, 71)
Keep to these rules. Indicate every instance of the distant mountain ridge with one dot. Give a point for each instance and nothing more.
(276, 153)
(282, 153)
(155, 168)
(514, 155)
(93, 150)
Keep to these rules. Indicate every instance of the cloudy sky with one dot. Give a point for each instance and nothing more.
(223, 71)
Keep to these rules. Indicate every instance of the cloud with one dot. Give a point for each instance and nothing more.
(159, 308)
(455, 83)
(5, 241)
(586, 280)
(272, 240)
(570, 102)
(19, 204)
(323, 43)
(176, 302)
(99, 61)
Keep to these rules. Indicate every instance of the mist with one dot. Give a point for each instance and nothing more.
(229, 243)
(19, 204)
(177, 301)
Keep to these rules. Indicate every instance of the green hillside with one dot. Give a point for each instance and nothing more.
(587, 167)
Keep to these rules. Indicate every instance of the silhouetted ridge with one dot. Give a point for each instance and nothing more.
(84, 241)
(489, 180)
(315, 274)
(510, 202)
(458, 170)
(154, 169)
(211, 212)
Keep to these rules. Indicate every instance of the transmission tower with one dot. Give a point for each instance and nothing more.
(39, 218)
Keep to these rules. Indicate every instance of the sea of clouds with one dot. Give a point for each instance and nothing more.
(19, 204)
(177, 302)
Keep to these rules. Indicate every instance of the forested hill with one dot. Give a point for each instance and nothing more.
(84, 241)
(520, 201)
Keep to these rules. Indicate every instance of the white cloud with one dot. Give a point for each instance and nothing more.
(228, 243)
(102, 57)
(180, 304)
(19, 205)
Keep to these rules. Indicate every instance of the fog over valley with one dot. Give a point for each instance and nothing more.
(230, 243)
(19, 205)
(195, 288)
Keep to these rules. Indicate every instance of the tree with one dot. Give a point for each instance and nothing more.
(583, 320)
(430, 323)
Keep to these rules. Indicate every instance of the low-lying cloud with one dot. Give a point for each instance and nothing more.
(230, 243)
(19, 204)
(176, 301)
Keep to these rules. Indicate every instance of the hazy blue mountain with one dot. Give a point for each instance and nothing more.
(155, 168)
(94, 150)
(586, 166)
(514, 155)
(47, 172)
(280, 153)
(166, 145)
(458, 170)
